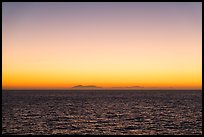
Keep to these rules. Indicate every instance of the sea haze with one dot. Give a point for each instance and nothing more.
(102, 112)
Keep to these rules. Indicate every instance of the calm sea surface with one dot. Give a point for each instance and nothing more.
(102, 112)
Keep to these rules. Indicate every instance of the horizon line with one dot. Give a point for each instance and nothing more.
(102, 89)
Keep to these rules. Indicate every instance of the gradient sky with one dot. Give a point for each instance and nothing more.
(60, 45)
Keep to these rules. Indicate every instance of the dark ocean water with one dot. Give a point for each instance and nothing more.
(102, 112)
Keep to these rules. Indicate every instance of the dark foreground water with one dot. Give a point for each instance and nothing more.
(102, 112)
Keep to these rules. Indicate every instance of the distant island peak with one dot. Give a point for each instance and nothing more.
(85, 87)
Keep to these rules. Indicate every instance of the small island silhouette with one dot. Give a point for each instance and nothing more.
(86, 87)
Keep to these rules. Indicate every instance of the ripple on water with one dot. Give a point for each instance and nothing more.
(104, 112)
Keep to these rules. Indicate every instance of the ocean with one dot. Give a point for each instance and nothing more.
(102, 112)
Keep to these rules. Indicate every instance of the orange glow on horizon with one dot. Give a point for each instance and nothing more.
(121, 46)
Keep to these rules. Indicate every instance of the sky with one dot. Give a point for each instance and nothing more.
(61, 45)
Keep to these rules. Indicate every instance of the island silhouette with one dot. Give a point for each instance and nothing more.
(105, 88)
(86, 87)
